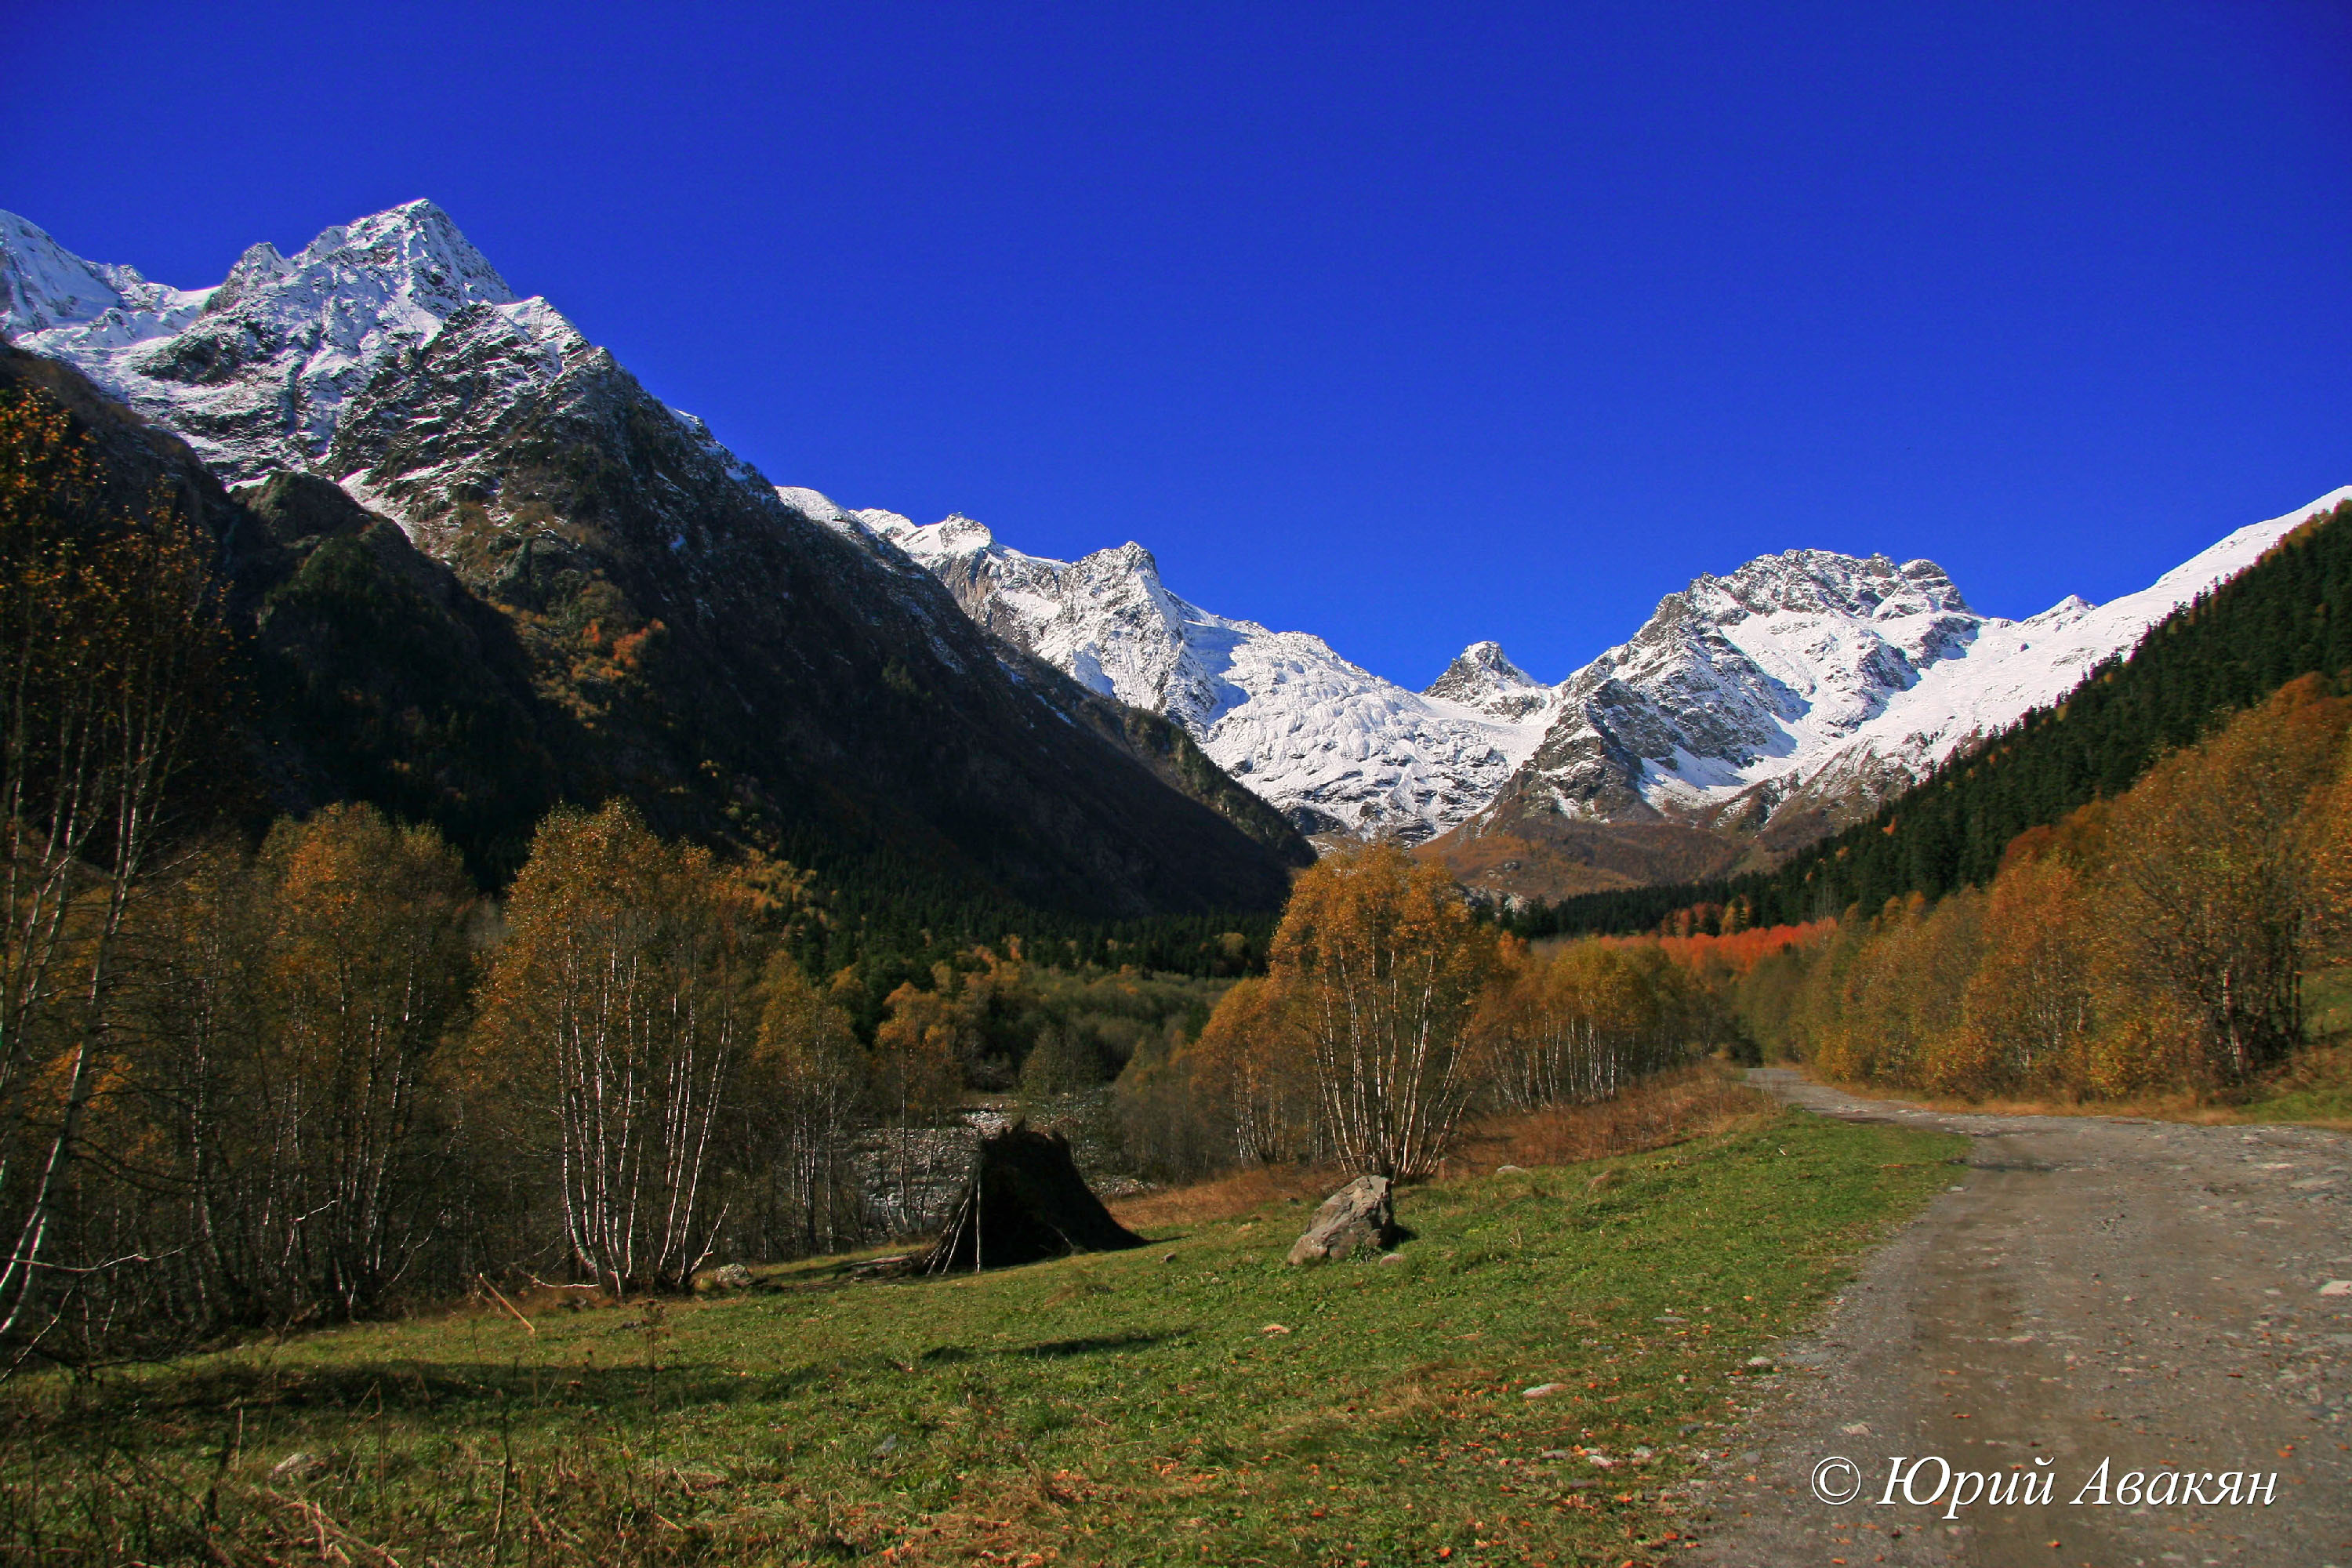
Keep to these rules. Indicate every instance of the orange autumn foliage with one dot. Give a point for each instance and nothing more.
(1737, 952)
(2151, 944)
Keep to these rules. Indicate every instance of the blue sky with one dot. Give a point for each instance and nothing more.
(1407, 325)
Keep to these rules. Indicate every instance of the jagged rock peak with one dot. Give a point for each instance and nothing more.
(957, 532)
(1483, 677)
(1130, 551)
(1798, 692)
(410, 255)
(256, 374)
(1332, 746)
(1826, 581)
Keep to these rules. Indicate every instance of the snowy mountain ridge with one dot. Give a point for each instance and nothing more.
(256, 374)
(1800, 690)
(1778, 700)
(1333, 746)
(1769, 704)
(265, 371)
(645, 617)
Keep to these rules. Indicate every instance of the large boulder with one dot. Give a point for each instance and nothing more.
(1356, 1219)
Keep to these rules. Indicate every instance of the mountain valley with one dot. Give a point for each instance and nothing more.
(1752, 714)
(647, 614)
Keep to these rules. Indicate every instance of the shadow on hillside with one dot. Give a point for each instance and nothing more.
(1094, 1346)
(363, 1390)
(473, 1389)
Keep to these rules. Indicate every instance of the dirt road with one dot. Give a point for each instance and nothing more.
(2152, 1295)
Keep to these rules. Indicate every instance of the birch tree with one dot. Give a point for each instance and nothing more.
(815, 1084)
(278, 1123)
(1259, 1076)
(1573, 1026)
(618, 1010)
(367, 972)
(113, 636)
(1380, 968)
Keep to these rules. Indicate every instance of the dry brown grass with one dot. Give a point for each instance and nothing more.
(2177, 1107)
(1228, 1197)
(1669, 1109)
(2310, 1090)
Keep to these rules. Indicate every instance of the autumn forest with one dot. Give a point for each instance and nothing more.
(263, 1073)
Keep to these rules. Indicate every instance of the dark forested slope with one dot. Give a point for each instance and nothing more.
(609, 606)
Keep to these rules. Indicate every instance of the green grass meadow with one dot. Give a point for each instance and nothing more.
(1195, 1402)
(2316, 1086)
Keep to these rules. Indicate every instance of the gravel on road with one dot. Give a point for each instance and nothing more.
(2166, 1299)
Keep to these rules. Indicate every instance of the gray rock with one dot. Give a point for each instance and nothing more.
(730, 1276)
(1356, 1219)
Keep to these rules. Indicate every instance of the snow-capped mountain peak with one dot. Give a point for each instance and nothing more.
(1777, 698)
(1823, 582)
(254, 373)
(1107, 619)
(389, 355)
(1334, 746)
(2065, 611)
(1483, 677)
(1802, 689)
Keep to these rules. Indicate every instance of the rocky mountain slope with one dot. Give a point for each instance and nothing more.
(1755, 712)
(671, 597)
(1333, 746)
(667, 627)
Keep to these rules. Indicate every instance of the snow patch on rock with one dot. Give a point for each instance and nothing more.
(1333, 746)
(1815, 682)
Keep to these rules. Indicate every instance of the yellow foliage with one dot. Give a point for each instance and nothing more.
(2155, 941)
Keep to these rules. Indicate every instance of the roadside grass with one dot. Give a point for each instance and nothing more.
(2315, 1090)
(2317, 1085)
(1195, 1402)
(1703, 1098)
